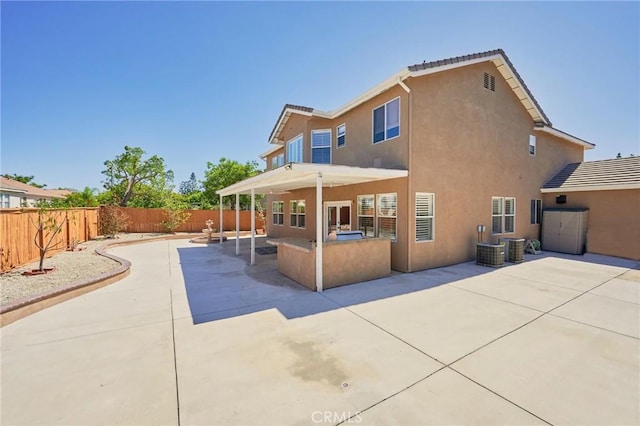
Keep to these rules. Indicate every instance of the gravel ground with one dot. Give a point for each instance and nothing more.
(70, 267)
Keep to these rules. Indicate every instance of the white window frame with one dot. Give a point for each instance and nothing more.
(373, 121)
(503, 215)
(532, 145)
(425, 215)
(274, 162)
(277, 211)
(536, 211)
(338, 135)
(382, 215)
(322, 147)
(290, 142)
(6, 201)
(372, 216)
(296, 213)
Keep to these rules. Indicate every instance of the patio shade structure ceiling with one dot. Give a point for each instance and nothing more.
(296, 176)
(293, 176)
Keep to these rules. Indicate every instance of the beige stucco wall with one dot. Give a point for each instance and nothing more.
(343, 262)
(614, 222)
(359, 149)
(345, 193)
(469, 144)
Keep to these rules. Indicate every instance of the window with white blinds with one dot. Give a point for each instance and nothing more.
(321, 146)
(366, 215)
(503, 215)
(425, 212)
(387, 215)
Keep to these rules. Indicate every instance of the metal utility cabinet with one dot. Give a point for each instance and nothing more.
(565, 230)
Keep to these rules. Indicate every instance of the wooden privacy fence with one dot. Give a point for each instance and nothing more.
(150, 220)
(18, 232)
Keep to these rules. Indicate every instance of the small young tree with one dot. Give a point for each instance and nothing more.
(48, 225)
(176, 215)
(112, 221)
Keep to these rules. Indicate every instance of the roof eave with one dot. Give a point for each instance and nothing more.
(565, 136)
(613, 187)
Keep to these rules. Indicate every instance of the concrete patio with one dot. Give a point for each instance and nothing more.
(195, 336)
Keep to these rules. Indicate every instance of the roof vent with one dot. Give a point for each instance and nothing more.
(489, 82)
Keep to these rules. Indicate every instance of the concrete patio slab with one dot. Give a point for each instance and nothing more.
(626, 289)
(446, 398)
(531, 294)
(573, 274)
(265, 369)
(99, 379)
(563, 371)
(194, 335)
(604, 312)
(444, 322)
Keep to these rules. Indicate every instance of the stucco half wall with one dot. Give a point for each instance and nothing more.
(614, 222)
(343, 262)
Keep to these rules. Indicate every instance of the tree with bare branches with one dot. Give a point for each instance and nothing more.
(48, 225)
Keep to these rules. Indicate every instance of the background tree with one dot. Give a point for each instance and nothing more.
(128, 174)
(225, 173)
(85, 198)
(24, 179)
(188, 187)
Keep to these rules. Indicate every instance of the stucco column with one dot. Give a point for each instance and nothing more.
(221, 227)
(237, 224)
(319, 232)
(253, 226)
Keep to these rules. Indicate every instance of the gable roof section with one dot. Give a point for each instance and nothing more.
(11, 185)
(617, 173)
(506, 68)
(497, 56)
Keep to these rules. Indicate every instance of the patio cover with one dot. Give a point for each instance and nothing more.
(296, 176)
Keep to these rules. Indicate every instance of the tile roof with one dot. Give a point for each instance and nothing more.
(442, 62)
(591, 175)
(284, 111)
(10, 184)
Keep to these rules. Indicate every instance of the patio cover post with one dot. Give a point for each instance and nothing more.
(221, 228)
(319, 232)
(253, 226)
(237, 223)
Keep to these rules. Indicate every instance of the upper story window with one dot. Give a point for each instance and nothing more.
(386, 121)
(489, 82)
(294, 150)
(277, 161)
(532, 145)
(321, 146)
(341, 135)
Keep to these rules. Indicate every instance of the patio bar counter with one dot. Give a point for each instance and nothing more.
(343, 262)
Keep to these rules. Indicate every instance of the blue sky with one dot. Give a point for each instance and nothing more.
(193, 82)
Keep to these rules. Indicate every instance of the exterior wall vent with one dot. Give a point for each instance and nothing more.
(489, 82)
(377, 162)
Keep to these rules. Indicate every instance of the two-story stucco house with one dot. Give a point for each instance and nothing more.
(421, 160)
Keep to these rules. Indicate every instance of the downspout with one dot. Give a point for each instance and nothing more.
(410, 241)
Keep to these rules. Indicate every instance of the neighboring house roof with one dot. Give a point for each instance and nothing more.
(617, 173)
(497, 56)
(25, 190)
